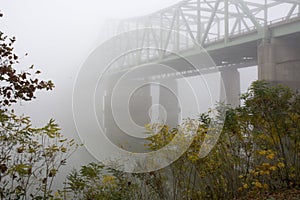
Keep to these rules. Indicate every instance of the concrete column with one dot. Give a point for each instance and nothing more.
(279, 62)
(169, 100)
(108, 121)
(231, 80)
(138, 104)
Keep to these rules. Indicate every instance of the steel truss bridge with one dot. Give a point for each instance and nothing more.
(234, 33)
(230, 30)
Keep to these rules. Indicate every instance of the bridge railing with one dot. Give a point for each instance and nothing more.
(285, 19)
(253, 29)
(183, 19)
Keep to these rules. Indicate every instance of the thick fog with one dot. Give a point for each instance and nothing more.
(58, 36)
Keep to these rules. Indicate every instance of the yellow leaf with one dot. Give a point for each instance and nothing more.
(280, 165)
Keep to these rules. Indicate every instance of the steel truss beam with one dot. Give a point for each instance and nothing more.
(203, 21)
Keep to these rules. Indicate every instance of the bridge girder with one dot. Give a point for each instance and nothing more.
(203, 22)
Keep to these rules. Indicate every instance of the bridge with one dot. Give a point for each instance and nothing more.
(215, 36)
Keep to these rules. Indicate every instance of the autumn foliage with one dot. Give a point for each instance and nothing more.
(256, 157)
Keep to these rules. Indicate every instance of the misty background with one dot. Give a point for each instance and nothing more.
(58, 36)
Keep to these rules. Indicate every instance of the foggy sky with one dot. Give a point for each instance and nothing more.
(58, 35)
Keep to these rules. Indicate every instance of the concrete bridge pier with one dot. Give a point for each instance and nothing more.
(138, 102)
(169, 101)
(231, 84)
(279, 62)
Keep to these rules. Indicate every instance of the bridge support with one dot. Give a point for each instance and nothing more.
(138, 103)
(169, 100)
(231, 84)
(279, 62)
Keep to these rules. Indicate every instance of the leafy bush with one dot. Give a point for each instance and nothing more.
(30, 157)
(258, 153)
(95, 181)
(258, 150)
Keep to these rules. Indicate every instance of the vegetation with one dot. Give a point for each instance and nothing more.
(29, 157)
(257, 152)
(95, 181)
(256, 156)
